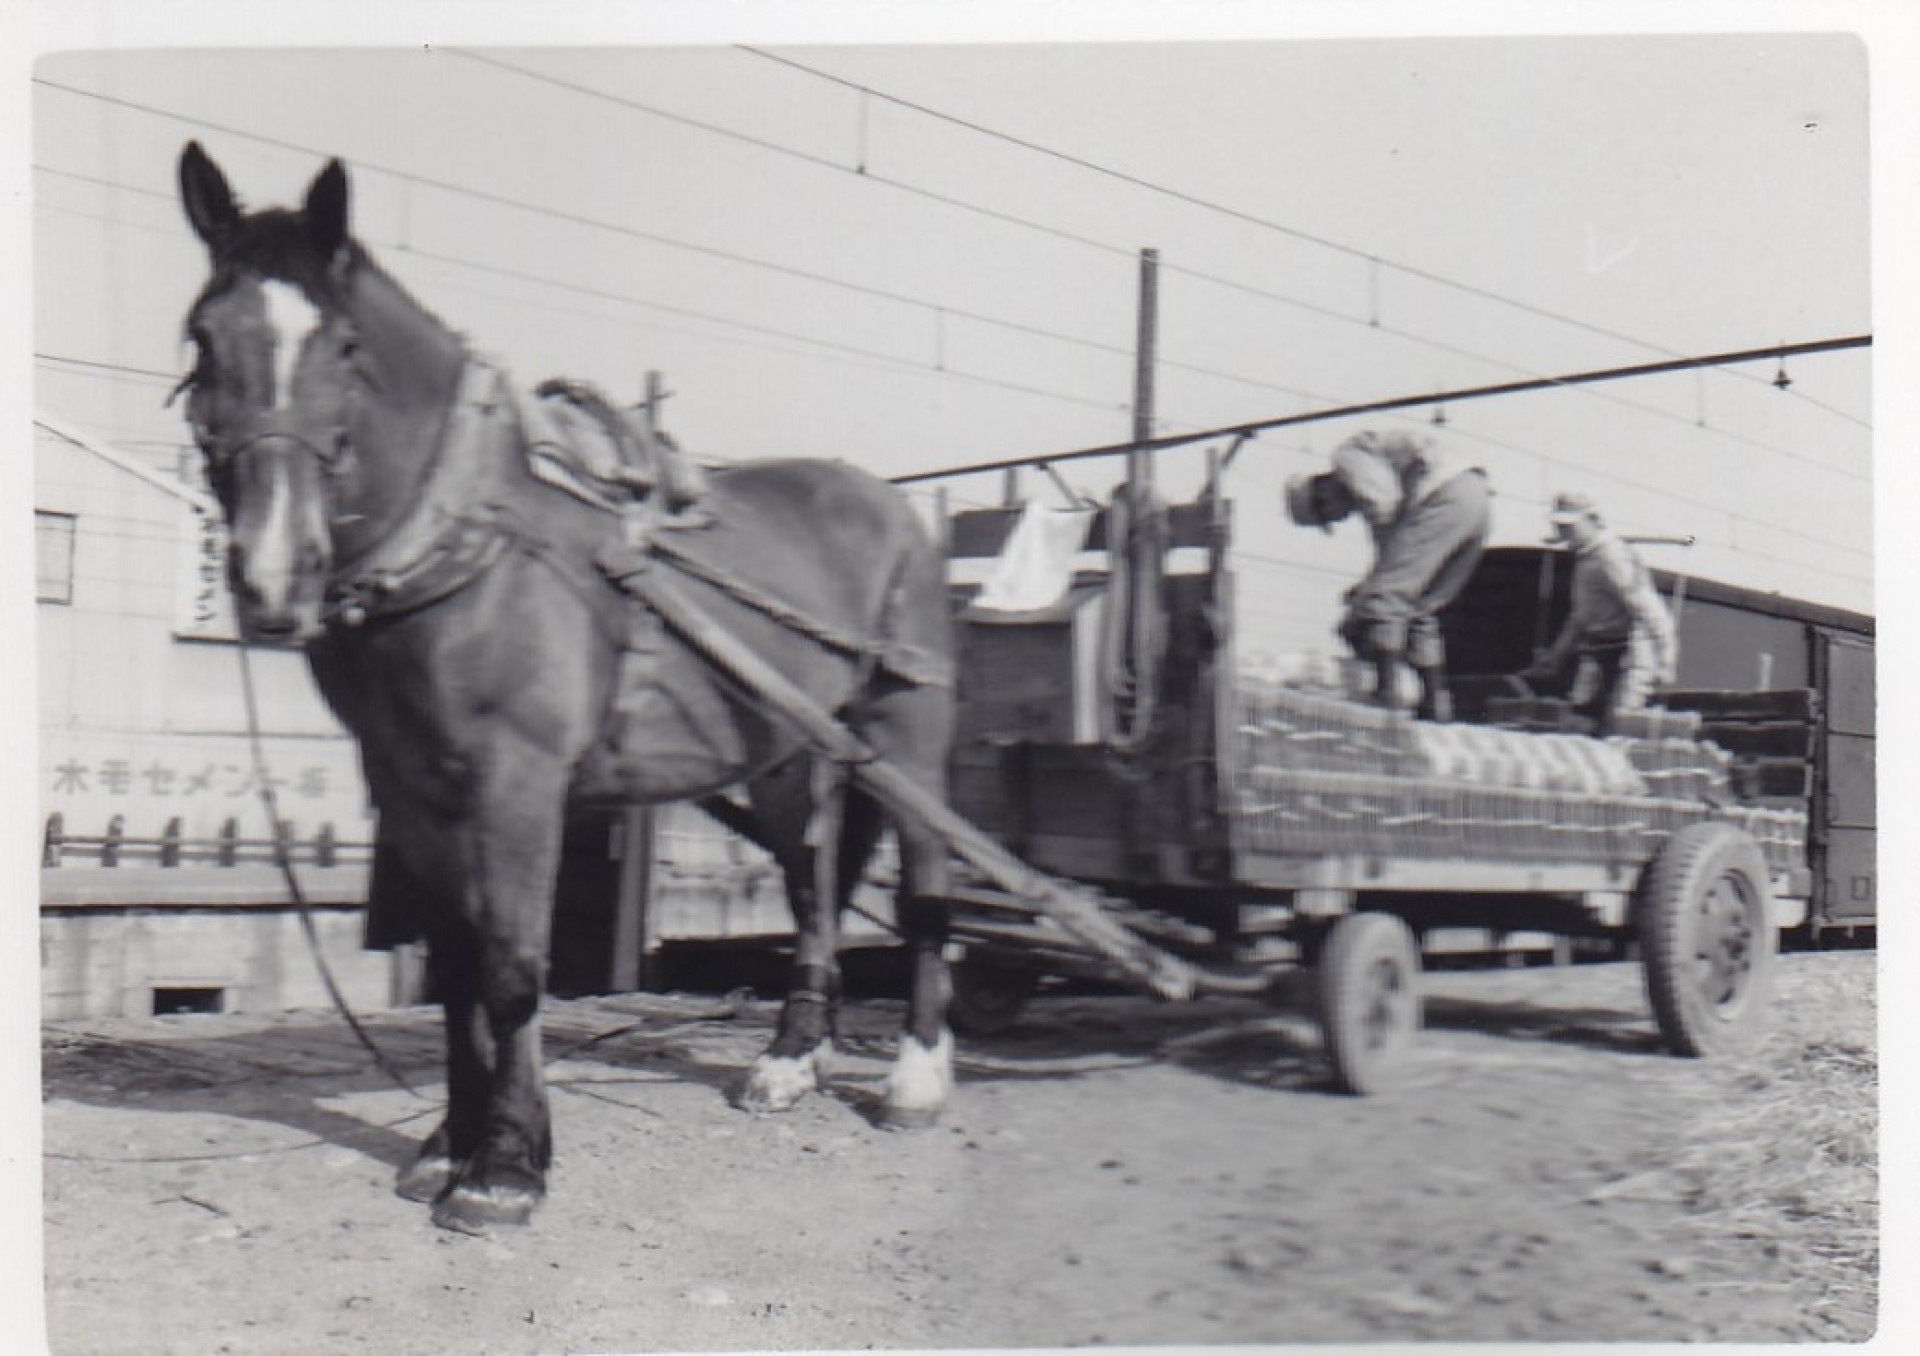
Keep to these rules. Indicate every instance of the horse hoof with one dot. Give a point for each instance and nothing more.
(908, 1117)
(425, 1178)
(778, 1083)
(918, 1087)
(473, 1210)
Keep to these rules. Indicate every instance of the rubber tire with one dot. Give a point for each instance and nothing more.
(1369, 991)
(989, 996)
(1707, 939)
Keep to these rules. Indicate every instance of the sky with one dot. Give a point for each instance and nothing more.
(922, 256)
(910, 237)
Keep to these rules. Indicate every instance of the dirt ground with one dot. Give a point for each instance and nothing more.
(1113, 1171)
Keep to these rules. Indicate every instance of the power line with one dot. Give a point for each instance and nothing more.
(824, 279)
(121, 369)
(842, 350)
(864, 172)
(1406, 402)
(689, 313)
(1455, 350)
(1249, 430)
(910, 483)
(1193, 200)
(1201, 435)
(728, 256)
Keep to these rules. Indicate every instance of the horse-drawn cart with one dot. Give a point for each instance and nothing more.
(510, 626)
(1245, 821)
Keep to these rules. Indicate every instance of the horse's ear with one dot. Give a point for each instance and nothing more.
(326, 209)
(205, 195)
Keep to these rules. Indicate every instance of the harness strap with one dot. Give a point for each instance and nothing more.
(446, 540)
(913, 663)
(631, 568)
(452, 536)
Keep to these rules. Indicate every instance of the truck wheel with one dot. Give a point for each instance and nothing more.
(989, 995)
(1369, 999)
(1707, 939)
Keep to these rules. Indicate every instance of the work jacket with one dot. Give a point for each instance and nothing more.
(1392, 474)
(1613, 597)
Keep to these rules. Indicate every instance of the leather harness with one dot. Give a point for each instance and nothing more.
(455, 532)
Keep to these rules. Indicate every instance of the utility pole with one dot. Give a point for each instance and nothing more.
(1139, 459)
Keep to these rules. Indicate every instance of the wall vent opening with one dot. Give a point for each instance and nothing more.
(172, 1002)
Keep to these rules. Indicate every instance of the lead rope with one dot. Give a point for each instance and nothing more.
(283, 858)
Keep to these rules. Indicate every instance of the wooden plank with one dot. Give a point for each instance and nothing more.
(1774, 740)
(1775, 777)
(635, 937)
(179, 887)
(1434, 875)
(1784, 704)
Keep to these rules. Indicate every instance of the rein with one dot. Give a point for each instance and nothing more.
(283, 858)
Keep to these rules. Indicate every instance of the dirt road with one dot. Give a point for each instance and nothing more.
(1113, 1172)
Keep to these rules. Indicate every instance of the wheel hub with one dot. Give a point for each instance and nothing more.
(1723, 943)
(1385, 1004)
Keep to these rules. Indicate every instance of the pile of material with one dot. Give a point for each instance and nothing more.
(1318, 773)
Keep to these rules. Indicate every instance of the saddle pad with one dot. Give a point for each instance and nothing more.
(561, 433)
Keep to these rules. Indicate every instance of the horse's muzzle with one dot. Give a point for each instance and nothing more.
(280, 552)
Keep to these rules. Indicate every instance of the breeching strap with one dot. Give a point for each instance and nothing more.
(1079, 915)
(283, 857)
(908, 662)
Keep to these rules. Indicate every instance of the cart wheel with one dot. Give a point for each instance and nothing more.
(1369, 998)
(1707, 939)
(989, 995)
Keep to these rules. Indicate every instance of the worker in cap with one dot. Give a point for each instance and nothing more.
(1617, 620)
(1429, 512)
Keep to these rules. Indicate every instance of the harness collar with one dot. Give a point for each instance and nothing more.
(452, 534)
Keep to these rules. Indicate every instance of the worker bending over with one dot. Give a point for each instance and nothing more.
(1429, 513)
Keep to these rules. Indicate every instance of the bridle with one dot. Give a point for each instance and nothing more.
(330, 450)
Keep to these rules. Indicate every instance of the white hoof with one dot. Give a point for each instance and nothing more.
(919, 1084)
(777, 1083)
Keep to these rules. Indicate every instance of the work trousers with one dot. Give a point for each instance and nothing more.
(1624, 677)
(1423, 562)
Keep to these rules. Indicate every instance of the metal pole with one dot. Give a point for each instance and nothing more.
(1400, 403)
(1140, 459)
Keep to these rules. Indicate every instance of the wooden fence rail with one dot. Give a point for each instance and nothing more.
(170, 847)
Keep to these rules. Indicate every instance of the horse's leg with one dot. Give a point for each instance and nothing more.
(513, 855)
(454, 967)
(406, 899)
(922, 1074)
(914, 731)
(819, 878)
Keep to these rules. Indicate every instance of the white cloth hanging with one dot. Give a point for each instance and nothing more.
(1035, 568)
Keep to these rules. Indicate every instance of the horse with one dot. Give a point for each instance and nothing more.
(459, 615)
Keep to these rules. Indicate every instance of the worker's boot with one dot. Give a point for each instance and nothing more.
(1386, 680)
(1436, 703)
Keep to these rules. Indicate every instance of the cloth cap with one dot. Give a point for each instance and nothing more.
(1571, 505)
(1302, 502)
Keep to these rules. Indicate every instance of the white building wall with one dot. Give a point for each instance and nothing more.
(139, 722)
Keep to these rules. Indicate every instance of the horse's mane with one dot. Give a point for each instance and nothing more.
(276, 243)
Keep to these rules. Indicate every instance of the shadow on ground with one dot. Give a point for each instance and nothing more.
(292, 1071)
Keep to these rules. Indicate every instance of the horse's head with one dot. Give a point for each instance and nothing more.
(272, 392)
